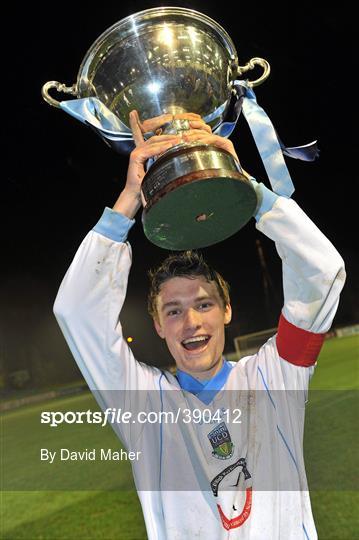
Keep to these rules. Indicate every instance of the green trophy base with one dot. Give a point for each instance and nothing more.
(201, 209)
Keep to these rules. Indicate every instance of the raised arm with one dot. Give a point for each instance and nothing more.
(93, 291)
(313, 270)
(313, 277)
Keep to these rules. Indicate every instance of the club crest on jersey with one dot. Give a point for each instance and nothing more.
(221, 442)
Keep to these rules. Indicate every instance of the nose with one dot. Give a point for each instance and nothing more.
(193, 319)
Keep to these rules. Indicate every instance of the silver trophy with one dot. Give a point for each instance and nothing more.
(170, 60)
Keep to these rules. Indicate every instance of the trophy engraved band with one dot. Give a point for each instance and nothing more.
(175, 61)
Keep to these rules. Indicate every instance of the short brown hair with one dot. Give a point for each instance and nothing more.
(189, 264)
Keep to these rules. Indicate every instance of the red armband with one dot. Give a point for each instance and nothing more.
(298, 346)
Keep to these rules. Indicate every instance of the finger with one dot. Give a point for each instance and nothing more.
(163, 138)
(198, 134)
(154, 123)
(205, 138)
(136, 128)
(144, 152)
(193, 133)
(199, 124)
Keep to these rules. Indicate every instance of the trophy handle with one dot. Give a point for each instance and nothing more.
(60, 87)
(251, 65)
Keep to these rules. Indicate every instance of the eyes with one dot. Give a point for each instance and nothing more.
(202, 307)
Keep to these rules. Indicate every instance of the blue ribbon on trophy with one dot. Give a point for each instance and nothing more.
(92, 112)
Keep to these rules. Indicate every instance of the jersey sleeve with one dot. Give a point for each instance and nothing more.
(87, 309)
(313, 277)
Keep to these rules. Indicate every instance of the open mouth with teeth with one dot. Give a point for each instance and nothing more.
(196, 342)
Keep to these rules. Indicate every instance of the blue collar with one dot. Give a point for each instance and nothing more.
(206, 390)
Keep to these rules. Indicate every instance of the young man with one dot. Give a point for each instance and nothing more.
(238, 473)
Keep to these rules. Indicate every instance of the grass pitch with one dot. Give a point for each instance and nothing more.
(109, 508)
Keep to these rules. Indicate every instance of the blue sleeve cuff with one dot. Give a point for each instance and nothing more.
(114, 225)
(266, 199)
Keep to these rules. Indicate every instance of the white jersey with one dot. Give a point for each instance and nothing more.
(217, 479)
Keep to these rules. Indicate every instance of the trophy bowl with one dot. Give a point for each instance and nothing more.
(161, 60)
(174, 60)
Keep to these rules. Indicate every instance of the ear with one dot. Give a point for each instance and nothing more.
(158, 328)
(228, 314)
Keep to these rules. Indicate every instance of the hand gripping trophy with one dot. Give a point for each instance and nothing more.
(172, 61)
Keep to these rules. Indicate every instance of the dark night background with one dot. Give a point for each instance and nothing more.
(59, 175)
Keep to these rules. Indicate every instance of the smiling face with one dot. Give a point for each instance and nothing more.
(191, 318)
